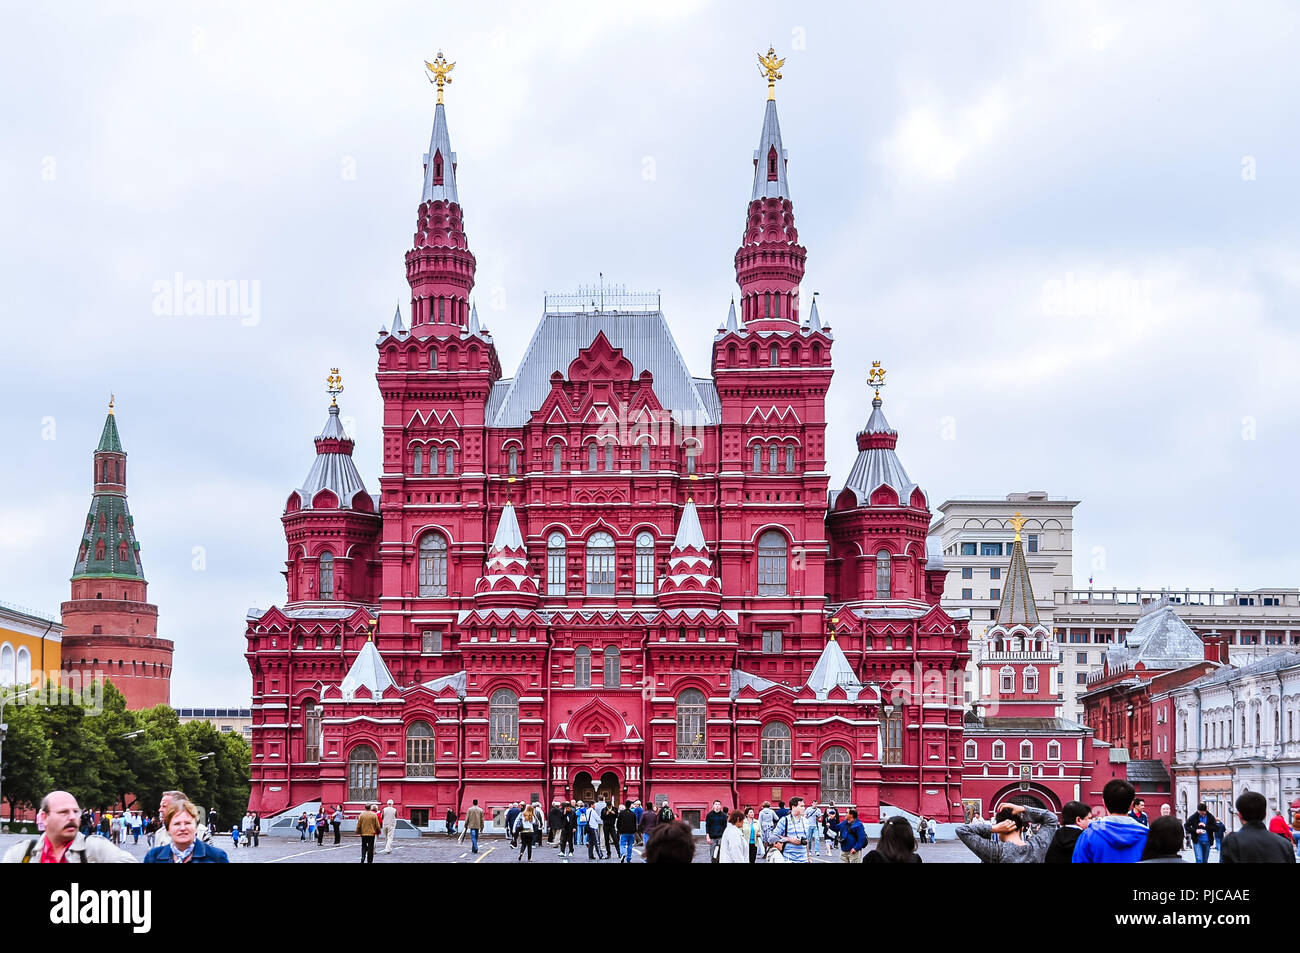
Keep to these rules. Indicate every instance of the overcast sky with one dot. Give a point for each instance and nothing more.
(1068, 230)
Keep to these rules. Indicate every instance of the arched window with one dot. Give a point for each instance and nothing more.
(557, 457)
(758, 459)
(325, 582)
(433, 461)
(1007, 680)
(433, 565)
(645, 564)
(774, 356)
(837, 781)
(972, 751)
(882, 574)
(789, 458)
(613, 668)
(418, 466)
(8, 670)
(311, 732)
(774, 459)
(692, 451)
(645, 456)
(771, 564)
(582, 667)
(24, 673)
(503, 726)
(512, 457)
(419, 750)
(555, 564)
(363, 774)
(1053, 751)
(1031, 681)
(1026, 751)
(592, 456)
(600, 565)
(894, 738)
(451, 460)
(690, 725)
(609, 456)
(999, 751)
(774, 750)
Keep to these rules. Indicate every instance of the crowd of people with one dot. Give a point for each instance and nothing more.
(1119, 831)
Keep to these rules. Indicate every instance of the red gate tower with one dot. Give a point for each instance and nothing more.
(111, 627)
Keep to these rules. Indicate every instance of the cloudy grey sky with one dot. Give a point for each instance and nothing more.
(1068, 229)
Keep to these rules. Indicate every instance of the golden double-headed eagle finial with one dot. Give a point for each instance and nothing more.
(1017, 523)
(334, 385)
(440, 69)
(111, 399)
(770, 65)
(876, 377)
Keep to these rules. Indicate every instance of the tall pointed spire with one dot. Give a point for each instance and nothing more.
(505, 581)
(440, 267)
(814, 319)
(690, 580)
(770, 260)
(877, 464)
(732, 323)
(474, 326)
(109, 548)
(398, 327)
(1017, 606)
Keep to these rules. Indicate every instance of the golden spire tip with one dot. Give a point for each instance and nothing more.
(770, 66)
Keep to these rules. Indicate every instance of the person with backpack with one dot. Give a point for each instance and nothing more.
(920, 829)
(814, 816)
(528, 827)
(791, 833)
(568, 831)
(625, 825)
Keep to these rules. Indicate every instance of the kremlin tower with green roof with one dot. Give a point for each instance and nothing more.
(110, 626)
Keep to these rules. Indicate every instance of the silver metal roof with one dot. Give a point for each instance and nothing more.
(740, 679)
(508, 535)
(770, 139)
(440, 141)
(1265, 666)
(644, 339)
(833, 669)
(875, 466)
(332, 471)
(456, 681)
(1160, 640)
(369, 670)
(690, 535)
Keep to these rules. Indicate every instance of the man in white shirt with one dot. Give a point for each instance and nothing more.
(390, 826)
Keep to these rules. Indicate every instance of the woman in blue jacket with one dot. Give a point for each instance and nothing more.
(182, 822)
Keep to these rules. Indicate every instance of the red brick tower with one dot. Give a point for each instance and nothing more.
(110, 624)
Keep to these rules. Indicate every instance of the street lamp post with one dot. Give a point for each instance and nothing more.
(3, 730)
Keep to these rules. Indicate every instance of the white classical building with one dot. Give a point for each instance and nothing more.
(1238, 730)
(1257, 623)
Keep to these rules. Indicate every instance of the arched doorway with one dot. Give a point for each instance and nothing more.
(583, 788)
(1032, 796)
(609, 787)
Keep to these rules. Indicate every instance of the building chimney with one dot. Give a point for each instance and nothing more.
(1216, 647)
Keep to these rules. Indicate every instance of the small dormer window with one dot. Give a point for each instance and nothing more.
(771, 164)
(437, 168)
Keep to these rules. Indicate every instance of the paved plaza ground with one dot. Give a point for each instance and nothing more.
(493, 849)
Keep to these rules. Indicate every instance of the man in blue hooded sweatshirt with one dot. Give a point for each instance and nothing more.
(1116, 838)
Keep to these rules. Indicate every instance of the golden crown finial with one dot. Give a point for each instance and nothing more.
(1018, 522)
(440, 69)
(334, 385)
(876, 377)
(770, 66)
(111, 399)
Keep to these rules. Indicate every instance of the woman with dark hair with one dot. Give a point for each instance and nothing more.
(733, 849)
(1004, 842)
(897, 844)
(1164, 842)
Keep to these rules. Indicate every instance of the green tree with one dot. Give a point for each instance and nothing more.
(26, 768)
(78, 755)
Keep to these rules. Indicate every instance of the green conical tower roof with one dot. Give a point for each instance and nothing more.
(109, 442)
(109, 548)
